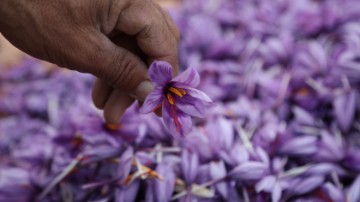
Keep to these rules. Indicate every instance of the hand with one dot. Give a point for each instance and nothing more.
(114, 40)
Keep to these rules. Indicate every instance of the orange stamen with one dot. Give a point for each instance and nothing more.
(128, 179)
(151, 173)
(303, 92)
(147, 172)
(77, 140)
(170, 98)
(177, 123)
(113, 127)
(177, 91)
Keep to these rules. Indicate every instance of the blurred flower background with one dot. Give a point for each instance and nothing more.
(284, 76)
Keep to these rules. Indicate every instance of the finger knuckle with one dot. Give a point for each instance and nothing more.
(97, 53)
(177, 35)
(121, 70)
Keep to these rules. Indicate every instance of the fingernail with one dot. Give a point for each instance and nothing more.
(142, 90)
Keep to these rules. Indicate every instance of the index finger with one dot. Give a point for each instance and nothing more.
(145, 20)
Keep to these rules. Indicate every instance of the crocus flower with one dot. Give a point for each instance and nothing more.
(177, 96)
(15, 185)
(285, 126)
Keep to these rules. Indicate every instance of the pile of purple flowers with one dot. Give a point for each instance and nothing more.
(284, 77)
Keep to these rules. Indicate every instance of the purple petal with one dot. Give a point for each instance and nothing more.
(191, 106)
(307, 185)
(278, 164)
(353, 194)
(266, 184)
(330, 148)
(352, 159)
(220, 142)
(125, 164)
(129, 193)
(324, 169)
(177, 122)
(314, 58)
(262, 155)
(15, 184)
(276, 193)
(239, 154)
(149, 194)
(344, 109)
(303, 117)
(233, 194)
(198, 94)
(227, 132)
(300, 146)
(189, 77)
(218, 170)
(160, 73)
(189, 166)
(334, 192)
(249, 171)
(152, 101)
(193, 92)
(164, 188)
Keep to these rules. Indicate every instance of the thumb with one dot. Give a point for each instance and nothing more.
(122, 70)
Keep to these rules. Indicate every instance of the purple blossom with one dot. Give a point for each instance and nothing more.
(15, 185)
(177, 96)
(285, 125)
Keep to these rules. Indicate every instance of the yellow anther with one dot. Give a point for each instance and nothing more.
(151, 173)
(177, 91)
(303, 92)
(128, 179)
(112, 127)
(170, 98)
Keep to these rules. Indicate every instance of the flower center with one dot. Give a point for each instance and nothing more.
(171, 91)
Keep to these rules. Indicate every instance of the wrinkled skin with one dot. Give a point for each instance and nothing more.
(114, 40)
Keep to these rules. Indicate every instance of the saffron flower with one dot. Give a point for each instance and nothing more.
(177, 96)
(285, 126)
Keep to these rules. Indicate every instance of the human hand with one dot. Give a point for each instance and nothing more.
(114, 40)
